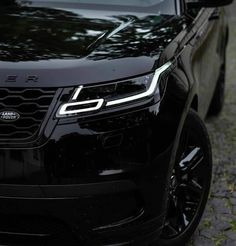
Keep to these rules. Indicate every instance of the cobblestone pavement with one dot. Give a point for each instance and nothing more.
(218, 226)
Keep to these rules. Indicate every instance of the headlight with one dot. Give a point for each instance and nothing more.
(94, 98)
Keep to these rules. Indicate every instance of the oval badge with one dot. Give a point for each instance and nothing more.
(9, 116)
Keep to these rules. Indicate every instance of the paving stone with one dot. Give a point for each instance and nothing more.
(234, 209)
(207, 233)
(230, 243)
(234, 194)
(220, 206)
(202, 241)
(231, 235)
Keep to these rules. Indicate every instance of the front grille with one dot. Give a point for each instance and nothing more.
(32, 105)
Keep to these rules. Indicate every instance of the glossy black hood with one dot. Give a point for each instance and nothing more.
(67, 46)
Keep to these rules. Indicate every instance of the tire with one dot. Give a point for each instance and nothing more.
(189, 185)
(218, 99)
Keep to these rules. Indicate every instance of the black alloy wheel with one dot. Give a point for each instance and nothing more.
(190, 183)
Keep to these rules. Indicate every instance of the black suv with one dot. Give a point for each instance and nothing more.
(102, 140)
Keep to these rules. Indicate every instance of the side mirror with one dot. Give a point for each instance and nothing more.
(208, 3)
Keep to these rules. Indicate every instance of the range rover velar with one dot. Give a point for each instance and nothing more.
(102, 103)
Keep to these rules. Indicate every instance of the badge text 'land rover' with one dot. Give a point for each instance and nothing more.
(9, 116)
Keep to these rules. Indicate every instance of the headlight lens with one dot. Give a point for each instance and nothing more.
(89, 99)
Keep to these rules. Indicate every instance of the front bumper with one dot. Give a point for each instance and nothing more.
(96, 182)
(67, 219)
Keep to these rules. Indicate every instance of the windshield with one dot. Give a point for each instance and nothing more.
(147, 6)
(135, 3)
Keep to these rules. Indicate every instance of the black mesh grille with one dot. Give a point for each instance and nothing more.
(31, 104)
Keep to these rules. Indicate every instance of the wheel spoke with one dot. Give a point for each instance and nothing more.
(189, 197)
(193, 191)
(170, 229)
(191, 205)
(191, 161)
(195, 187)
(178, 219)
(183, 222)
(174, 201)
